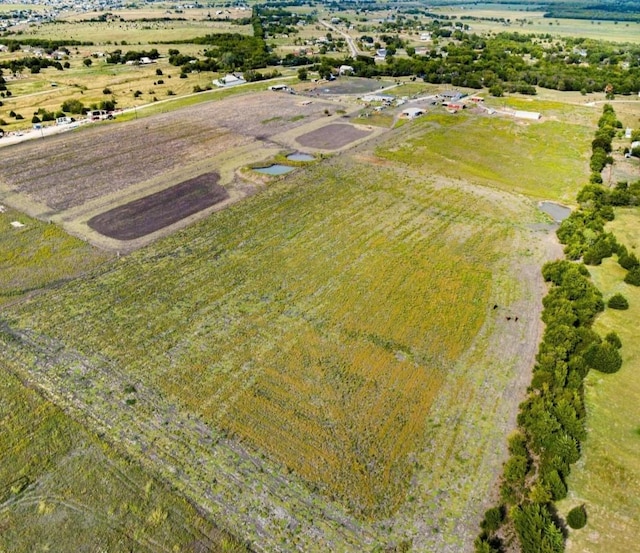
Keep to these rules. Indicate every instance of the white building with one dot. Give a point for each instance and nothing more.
(229, 80)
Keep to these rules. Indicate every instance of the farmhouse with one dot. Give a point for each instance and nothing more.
(451, 95)
(229, 80)
(412, 113)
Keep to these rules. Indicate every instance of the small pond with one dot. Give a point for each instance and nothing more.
(300, 157)
(274, 169)
(556, 211)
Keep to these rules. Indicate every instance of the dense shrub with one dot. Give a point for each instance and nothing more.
(613, 339)
(633, 277)
(577, 517)
(628, 261)
(604, 358)
(493, 519)
(618, 301)
(537, 532)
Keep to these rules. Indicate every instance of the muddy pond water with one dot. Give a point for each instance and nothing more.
(556, 211)
(300, 157)
(275, 169)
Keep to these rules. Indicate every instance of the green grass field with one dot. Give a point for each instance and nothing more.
(534, 22)
(545, 160)
(607, 478)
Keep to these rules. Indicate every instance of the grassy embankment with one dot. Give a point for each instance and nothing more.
(607, 478)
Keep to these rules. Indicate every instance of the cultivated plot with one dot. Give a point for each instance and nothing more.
(106, 179)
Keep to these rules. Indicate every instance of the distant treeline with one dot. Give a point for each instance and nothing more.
(514, 62)
(617, 11)
(34, 64)
(48, 45)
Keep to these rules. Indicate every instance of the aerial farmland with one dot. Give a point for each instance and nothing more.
(299, 313)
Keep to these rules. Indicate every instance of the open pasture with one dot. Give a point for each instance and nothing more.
(134, 32)
(546, 160)
(340, 327)
(533, 22)
(37, 255)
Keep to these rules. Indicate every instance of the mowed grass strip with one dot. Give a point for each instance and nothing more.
(316, 321)
(539, 159)
(38, 254)
(607, 479)
(61, 489)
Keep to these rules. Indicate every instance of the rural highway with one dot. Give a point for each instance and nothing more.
(353, 49)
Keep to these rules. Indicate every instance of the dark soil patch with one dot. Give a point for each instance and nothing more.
(331, 137)
(159, 210)
(353, 85)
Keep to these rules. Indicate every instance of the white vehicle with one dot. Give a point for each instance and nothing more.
(99, 115)
(64, 120)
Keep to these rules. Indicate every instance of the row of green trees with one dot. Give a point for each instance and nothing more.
(34, 64)
(551, 420)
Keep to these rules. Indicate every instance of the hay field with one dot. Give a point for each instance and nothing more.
(546, 160)
(336, 335)
(607, 478)
(134, 32)
(534, 22)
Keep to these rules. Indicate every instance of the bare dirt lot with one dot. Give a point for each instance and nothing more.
(68, 170)
(151, 213)
(332, 137)
(119, 176)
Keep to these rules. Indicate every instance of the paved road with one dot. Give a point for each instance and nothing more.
(353, 49)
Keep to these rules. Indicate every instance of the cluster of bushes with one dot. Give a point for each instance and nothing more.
(132, 55)
(601, 144)
(583, 234)
(551, 420)
(48, 45)
(43, 115)
(34, 64)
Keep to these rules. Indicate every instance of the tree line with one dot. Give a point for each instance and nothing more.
(551, 420)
